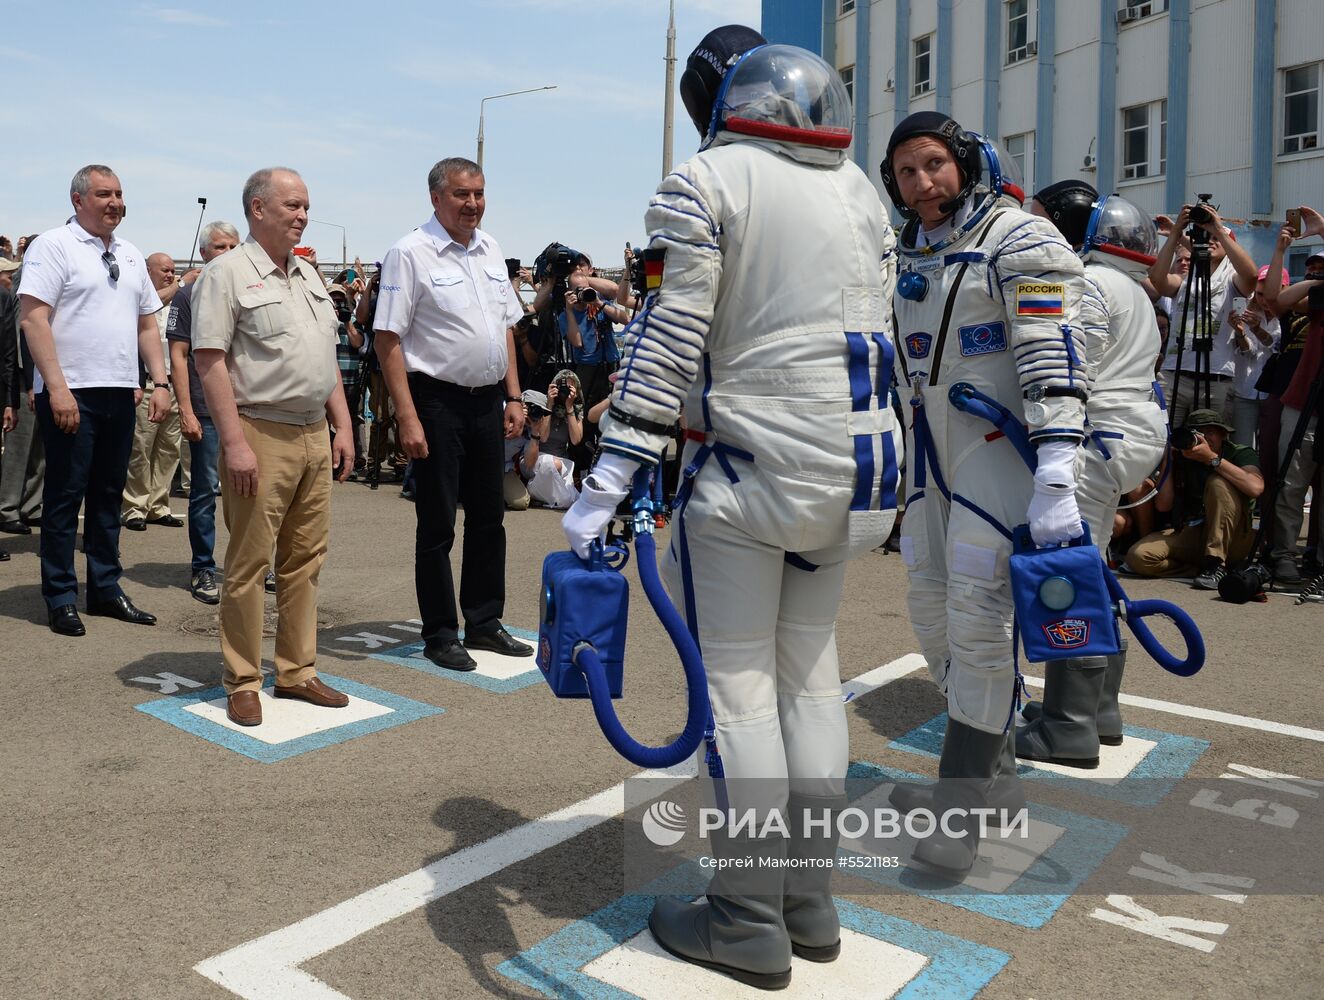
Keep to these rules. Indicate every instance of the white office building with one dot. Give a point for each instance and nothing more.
(1157, 100)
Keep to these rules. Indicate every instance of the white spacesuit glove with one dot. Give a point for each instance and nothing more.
(603, 488)
(1054, 517)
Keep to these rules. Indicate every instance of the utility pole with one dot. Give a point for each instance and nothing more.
(669, 111)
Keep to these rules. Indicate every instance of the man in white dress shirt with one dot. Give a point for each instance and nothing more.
(444, 336)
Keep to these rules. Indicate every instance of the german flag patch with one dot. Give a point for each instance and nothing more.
(1039, 299)
(654, 259)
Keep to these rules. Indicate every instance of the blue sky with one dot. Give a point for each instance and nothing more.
(362, 99)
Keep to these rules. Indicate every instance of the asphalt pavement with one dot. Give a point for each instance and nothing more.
(463, 835)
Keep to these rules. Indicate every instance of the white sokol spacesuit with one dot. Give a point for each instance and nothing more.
(1127, 437)
(772, 326)
(991, 298)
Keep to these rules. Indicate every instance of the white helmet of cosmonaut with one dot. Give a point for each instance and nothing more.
(786, 94)
(1123, 232)
(1002, 174)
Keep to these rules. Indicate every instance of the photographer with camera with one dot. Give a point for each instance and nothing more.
(543, 463)
(1216, 486)
(586, 326)
(1231, 273)
(1300, 305)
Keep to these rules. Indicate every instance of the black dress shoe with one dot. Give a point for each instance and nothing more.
(166, 521)
(15, 527)
(4, 556)
(450, 655)
(122, 608)
(136, 524)
(64, 620)
(499, 641)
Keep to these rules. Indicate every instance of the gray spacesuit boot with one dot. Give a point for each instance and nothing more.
(807, 908)
(1004, 791)
(1109, 719)
(737, 928)
(1065, 732)
(969, 763)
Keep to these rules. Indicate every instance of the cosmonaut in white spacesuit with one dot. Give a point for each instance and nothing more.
(987, 295)
(1126, 437)
(772, 326)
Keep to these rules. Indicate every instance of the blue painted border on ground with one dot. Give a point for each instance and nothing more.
(404, 656)
(172, 710)
(1075, 856)
(1147, 785)
(956, 968)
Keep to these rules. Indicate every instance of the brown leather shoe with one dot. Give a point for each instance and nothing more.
(243, 708)
(314, 691)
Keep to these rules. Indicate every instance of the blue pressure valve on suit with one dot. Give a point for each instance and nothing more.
(584, 610)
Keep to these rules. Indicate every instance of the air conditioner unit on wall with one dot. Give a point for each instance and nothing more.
(1031, 48)
(1126, 15)
(1091, 162)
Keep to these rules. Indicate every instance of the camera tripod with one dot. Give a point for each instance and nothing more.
(1202, 338)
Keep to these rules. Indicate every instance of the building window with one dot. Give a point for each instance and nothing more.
(847, 6)
(923, 63)
(847, 74)
(1144, 8)
(1018, 31)
(1145, 140)
(1021, 150)
(1301, 108)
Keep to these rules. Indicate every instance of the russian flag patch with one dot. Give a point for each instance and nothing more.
(1039, 299)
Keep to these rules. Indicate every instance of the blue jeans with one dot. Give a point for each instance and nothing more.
(202, 496)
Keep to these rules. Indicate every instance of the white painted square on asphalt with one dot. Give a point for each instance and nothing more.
(1115, 763)
(1004, 856)
(494, 665)
(286, 719)
(868, 968)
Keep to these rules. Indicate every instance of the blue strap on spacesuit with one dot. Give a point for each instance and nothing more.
(1131, 612)
(865, 386)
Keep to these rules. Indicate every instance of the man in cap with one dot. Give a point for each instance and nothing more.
(1217, 485)
(1127, 439)
(791, 460)
(987, 295)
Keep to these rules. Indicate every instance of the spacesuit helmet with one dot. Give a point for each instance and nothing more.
(1069, 205)
(707, 65)
(964, 147)
(784, 93)
(1002, 173)
(1119, 228)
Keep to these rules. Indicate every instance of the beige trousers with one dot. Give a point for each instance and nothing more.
(152, 463)
(1225, 533)
(292, 513)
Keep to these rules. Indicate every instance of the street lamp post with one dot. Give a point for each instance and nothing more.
(493, 97)
(344, 241)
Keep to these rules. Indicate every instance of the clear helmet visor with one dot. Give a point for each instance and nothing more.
(786, 93)
(1118, 225)
(1002, 174)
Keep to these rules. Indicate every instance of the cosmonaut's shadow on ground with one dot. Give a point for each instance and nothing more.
(566, 882)
(159, 575)
(23, 602)
(897, 708)
(201, 668)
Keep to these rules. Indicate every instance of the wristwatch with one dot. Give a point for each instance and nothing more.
(513, 399)
(1218, 460)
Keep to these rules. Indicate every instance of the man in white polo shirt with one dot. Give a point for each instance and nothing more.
(88, 306)
(444, 334)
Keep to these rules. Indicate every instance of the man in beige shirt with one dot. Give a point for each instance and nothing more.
(264, 340)
(155, 446)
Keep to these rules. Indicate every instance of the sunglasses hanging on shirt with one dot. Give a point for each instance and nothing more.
(108, 259)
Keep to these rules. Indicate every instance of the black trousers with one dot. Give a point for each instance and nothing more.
(84, 469)
(466, 452)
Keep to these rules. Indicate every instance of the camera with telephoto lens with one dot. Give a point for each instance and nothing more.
(512, 267)
(1245, 583)
(1183, 438)
(585, 295)
(556, 261)
(561, 383)
(535, 411)
(1200, 215)
(343, 313)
